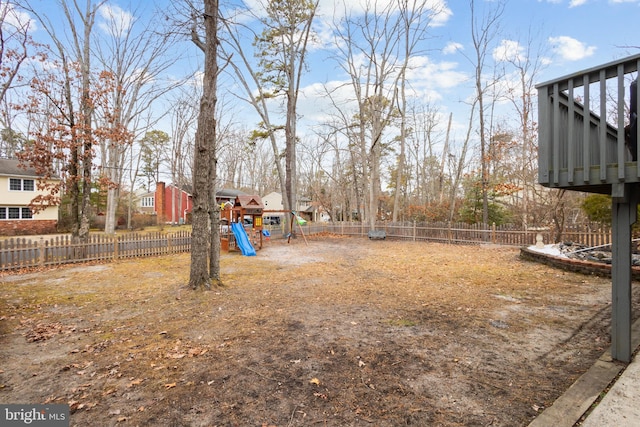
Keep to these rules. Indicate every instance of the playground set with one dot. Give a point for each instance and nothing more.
(246, 211)
(241, 225)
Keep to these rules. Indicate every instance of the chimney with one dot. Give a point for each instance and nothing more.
(160, 205)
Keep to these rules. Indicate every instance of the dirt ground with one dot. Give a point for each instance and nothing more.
(339, 332)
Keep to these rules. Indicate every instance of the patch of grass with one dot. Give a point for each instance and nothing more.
(405, 323)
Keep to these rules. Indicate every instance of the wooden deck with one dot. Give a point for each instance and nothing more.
(581, 119)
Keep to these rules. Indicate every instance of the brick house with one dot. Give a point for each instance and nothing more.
(173, 205)
(17, 189)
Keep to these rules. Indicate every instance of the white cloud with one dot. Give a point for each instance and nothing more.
(571, 49)
(509, 50)
(429, 78)
(576, 3)
(15, 18)
(336, 9)
(452, 47)
(115, 21)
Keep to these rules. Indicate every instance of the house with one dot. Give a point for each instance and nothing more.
(18, 187)
(145, 202)
(228, 196)
(173, 213)
(173, 205)
(273, 202)
(305, 207)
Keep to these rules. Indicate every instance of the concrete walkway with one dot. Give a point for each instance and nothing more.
(620, 407)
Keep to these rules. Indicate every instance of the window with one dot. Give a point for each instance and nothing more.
(17, 184)
(148, 202)
(23, 212)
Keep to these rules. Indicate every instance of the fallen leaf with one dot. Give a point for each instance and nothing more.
(135, 382)
(314, 381)
(172, 385)
(175, 355)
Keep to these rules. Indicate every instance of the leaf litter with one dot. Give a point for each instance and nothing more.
(336, 332)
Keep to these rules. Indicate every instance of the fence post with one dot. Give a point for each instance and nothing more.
(414, 230)
(115, 247)
(169, 244)
(493, 233)
(41, 250)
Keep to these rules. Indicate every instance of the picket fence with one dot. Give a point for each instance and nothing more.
(17, 253)
(462, 233)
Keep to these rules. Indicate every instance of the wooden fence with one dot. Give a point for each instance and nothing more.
(16, 253)
(462, 233)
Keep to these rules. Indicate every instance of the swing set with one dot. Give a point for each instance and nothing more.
(295, 219)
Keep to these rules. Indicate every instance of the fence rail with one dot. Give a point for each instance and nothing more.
(17, 253)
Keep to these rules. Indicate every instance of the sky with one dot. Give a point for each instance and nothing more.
(571, 35)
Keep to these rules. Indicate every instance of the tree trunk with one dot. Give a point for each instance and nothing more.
(203, 177)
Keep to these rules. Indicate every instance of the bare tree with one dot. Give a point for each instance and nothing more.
(526, 63)
(15, 47)
(484, 29)
(281, 49)
(135, 53)
(205, 253)
(415, 18)
(373, 35)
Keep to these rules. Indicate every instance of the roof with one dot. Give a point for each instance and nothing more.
(250, 202)
(13, 167)
(228, 193)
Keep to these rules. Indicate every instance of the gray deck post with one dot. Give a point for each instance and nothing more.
(624, 213)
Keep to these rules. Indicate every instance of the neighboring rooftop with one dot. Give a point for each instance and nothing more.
(14, 167)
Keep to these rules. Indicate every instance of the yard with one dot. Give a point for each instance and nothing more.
(339, 332)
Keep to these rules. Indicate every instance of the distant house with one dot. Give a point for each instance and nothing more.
(145, 202)
(228, 196)
(305, 208)
(17, 189)
(173, 205)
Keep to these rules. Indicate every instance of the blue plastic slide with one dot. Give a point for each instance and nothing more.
(242, 240)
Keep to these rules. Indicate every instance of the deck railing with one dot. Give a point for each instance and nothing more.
(581, 119)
